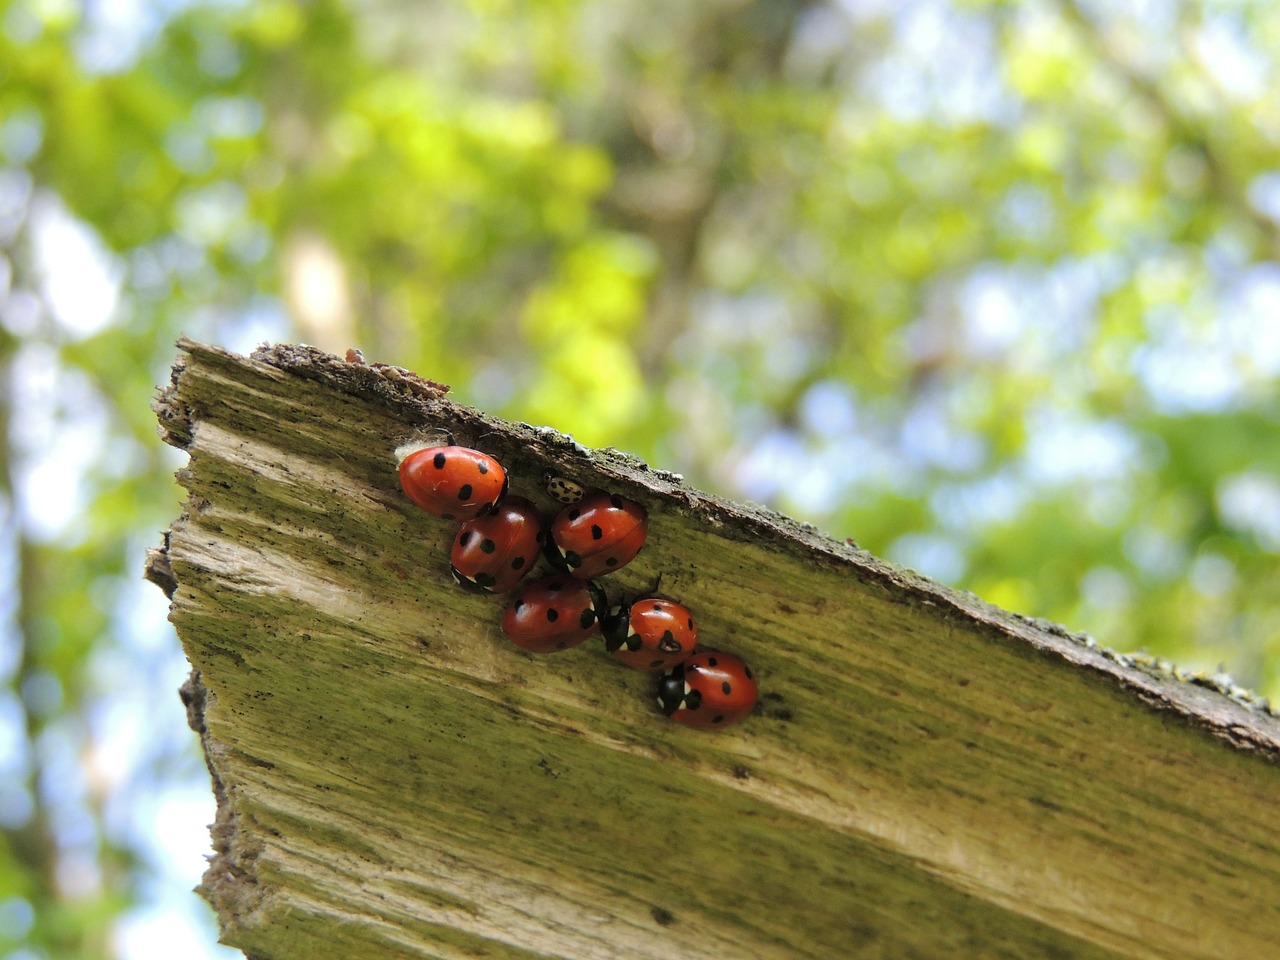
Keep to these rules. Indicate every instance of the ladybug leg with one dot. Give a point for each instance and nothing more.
(652, 589)
(633, 642)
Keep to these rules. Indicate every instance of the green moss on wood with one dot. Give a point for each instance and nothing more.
(926, 776)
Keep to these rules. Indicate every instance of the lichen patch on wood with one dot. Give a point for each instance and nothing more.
(926, 775)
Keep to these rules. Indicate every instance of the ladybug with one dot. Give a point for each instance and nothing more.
(555, 613)
(456, 483)
(599, 534)
(650, 634)
(709, 690)
(494, 551)
(562, 489)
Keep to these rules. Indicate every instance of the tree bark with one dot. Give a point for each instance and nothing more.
(926, 776)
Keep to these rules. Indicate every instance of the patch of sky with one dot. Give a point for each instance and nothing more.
(829, 409)
(1249, 501)
(1105, 587)
(929, 437)
(1158, 554)
(936, 556)
(66, 248)
(941, 66)
(1187, 365)
(1063, 449)
(21, 134)
(65, 427)
(964, 507)
(1223, 45)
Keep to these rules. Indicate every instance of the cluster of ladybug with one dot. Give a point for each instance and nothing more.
(499, 542)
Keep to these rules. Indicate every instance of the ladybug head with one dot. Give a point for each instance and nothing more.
(671, 690)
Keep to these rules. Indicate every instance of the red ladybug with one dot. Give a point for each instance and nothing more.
(456, 483)
(493, 552)
(650, 634)
(555, 613)
(709, 690)
(599, 534)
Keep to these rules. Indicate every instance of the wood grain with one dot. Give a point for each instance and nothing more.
(927, 776)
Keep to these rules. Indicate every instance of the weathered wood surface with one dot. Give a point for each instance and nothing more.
(927, 777)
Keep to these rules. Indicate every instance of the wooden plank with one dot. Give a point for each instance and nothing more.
(927, 776)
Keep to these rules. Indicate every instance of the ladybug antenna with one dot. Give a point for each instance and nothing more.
(439, 436)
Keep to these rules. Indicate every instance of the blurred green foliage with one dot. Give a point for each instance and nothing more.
(991, 287)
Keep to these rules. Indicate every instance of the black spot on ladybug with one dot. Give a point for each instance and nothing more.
(587, 618)
(662, 916)
(691, 623)
(482, 466)
(560, 644)
(466, 538)
(487, 545)
(693, 700)
(517, 563)
(438, 461)
(574, 513)
(596, 533)
(717, 718)
(747, 671)
(464, 493)
(611, 562)
(572, 560)
(552, 614)
(725, 688)
(711, 661)
(518, 605)
(616, 502)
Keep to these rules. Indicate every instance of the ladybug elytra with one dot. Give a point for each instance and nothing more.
(650, 634)
(599, 534)
(455, 483)
(710, 690)
(496, 550)
(555, 613)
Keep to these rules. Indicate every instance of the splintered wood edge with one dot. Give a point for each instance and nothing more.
(1014, 853)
